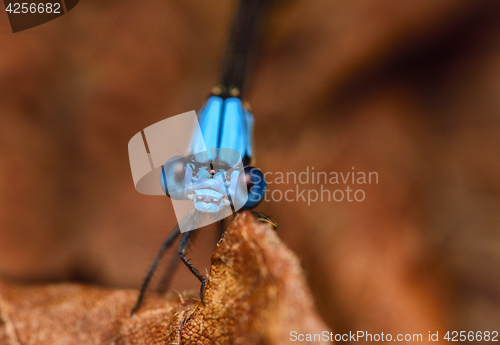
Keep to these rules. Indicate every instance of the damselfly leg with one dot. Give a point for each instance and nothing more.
(182, 249)
(168, 274)
(166, 244)
(265, 219)
(222, 228)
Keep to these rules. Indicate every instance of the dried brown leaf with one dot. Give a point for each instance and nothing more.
(256, 294)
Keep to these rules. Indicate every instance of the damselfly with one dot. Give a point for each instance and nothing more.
(207, 176)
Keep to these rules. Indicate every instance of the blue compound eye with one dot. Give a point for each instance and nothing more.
(172, 177)
(256, 187)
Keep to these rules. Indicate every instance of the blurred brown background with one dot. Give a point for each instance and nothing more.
(408, 89)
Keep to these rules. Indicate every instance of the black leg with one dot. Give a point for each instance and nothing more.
(265, 219)
(222, 228)
(182, 250)
(166, 244)
(168, 275)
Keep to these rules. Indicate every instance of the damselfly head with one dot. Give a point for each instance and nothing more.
(209, 184)
(212, 185)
